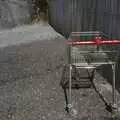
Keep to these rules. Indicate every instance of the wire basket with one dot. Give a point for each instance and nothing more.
(90, 54)
(94, 57)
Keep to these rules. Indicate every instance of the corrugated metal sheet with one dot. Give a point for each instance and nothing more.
(85, 15)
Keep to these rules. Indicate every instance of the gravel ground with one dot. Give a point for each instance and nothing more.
(30, 84)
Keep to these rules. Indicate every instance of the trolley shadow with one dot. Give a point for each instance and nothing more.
(80, 82)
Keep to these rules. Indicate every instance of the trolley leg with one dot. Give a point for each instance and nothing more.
(114, 101)
(70, 87)
(70, 109)
(66, 99)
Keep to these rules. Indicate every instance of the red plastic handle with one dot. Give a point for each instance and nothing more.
(96, 41)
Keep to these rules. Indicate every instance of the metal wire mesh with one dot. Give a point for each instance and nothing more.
(94, 57)
(88, 54)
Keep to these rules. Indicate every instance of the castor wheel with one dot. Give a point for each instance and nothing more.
(114, 110)
(72, 112)
(116, 115)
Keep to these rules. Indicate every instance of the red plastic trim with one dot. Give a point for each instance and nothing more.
(96, 41)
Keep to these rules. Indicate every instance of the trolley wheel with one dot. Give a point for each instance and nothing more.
(114, 110)
(116, 114)
(71, 111)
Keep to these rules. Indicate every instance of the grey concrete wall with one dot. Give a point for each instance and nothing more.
(14, 12)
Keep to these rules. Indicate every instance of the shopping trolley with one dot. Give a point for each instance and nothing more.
(90, 50)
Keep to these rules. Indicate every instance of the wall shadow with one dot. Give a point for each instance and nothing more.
(106, 72)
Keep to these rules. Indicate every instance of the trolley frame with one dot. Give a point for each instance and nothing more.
(96, 41)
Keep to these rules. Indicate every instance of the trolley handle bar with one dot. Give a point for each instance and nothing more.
(96, 41)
